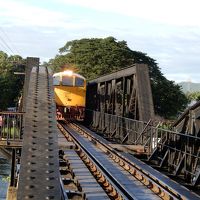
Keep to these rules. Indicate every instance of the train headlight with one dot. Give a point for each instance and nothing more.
(68, 72)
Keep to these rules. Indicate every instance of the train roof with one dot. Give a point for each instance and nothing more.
(73, 74)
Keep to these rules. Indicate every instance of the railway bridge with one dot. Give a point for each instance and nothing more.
(119, 152)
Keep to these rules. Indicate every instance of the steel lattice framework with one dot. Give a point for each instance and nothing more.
(124, 93)
(179, 151)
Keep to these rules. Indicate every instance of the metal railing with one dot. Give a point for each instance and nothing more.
(179, 152)
(11, 127)
(130, 131)
(124, 130)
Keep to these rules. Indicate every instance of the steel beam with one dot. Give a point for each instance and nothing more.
(39, 167)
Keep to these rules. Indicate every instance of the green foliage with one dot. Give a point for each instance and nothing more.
(193, 96)
(58, 62)
(168, 97)
(10, 84)
(95, 57)
(6, 179)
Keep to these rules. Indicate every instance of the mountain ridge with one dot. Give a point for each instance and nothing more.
(189, 86)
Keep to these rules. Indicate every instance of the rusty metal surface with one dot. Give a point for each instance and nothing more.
(39, 169)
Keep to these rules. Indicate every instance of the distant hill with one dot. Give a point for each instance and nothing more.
(190, 87)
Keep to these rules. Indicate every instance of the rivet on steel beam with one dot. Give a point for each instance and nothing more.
(29, 186)
(49, 171)
(31, 170)
(50, 178)
(29, 197)
(30, 178)
(49, 149)
(49, 197)
(49, 156)
(49, 164)
(49, 187)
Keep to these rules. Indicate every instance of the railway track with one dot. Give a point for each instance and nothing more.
(120, 176)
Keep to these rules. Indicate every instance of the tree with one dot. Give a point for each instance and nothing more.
(95, 57)
(193, 96)
(10, 84)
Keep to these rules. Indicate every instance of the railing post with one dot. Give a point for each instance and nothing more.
(13, 164)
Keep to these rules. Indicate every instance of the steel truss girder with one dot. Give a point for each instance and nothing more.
(189, 121)
(124, 93)
(180, 152)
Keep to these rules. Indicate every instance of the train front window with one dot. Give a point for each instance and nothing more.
(56, 80)
(67, 80)
(79, 82)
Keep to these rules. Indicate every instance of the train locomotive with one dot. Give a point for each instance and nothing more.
(70, 94)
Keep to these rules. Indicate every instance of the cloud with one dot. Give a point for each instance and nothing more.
(164, 30)
(183, 77)
(178, 12)
(21, 14)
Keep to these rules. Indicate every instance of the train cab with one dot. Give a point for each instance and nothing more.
(70, 93)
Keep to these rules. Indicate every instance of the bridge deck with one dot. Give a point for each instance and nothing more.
(131, 185)
(181, 191)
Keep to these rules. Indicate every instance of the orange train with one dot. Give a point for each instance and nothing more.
(70, 94)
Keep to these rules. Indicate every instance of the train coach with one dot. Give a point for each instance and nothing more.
(70, 93)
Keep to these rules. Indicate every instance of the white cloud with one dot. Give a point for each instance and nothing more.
(16, 13)
(183, 77)
(147, 26)
(177, 12)
(21, 14)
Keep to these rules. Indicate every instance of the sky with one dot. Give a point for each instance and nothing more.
(167, 30)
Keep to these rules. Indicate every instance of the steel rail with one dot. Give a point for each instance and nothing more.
(101, 178)
(135, 172)
(153, 183)
(134, 191)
